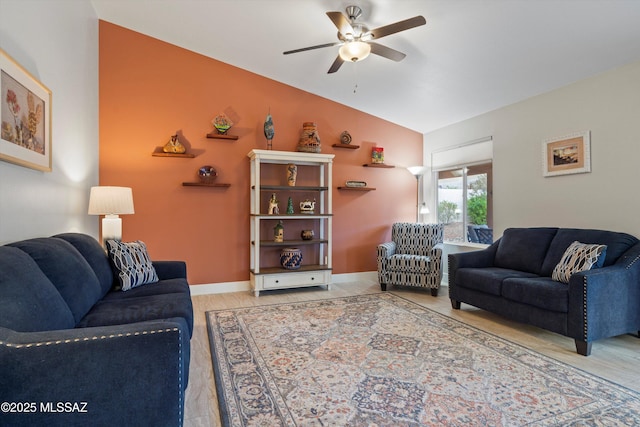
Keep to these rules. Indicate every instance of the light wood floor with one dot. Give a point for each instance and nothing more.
(616, 359)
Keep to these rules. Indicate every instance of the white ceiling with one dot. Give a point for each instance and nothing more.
(473, 56)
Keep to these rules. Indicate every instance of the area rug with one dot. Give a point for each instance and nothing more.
(381, 360)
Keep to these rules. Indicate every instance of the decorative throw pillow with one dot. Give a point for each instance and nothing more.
(578, 257)
(132, 262)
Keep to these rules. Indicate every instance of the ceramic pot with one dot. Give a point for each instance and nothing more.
(291, 258)
(306, 234)
(309, 139)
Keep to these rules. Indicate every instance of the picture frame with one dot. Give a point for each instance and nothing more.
(25, 117)
(569, 154)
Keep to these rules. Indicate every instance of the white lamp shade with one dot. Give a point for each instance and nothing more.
(354, 51)
(416, 170)
(105, 200)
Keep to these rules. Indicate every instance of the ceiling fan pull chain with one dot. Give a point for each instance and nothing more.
(355, 77)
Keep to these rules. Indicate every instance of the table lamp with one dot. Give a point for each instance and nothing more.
(111, 202)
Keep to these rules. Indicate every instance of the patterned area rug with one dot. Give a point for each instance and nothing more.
(380, 360)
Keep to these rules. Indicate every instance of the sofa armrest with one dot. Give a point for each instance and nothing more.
(475, 259)
(605, 302)
(170, 269)
(120, 375)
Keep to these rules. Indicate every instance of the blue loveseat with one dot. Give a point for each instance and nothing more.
(74, 350)
(513, 278)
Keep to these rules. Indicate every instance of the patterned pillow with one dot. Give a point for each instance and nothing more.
(132, 262)
(578, 257)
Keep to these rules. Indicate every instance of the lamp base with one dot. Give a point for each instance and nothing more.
(111, 228)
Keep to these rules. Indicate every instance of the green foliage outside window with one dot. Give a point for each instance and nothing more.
(447, 212)
(477, 202)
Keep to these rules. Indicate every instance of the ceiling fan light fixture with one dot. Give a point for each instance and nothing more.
(354, 51)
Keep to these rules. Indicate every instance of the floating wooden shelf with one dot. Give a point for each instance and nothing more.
(205, 184)
(221, 136)
(357, 188)
(163, 154)
(350, 146)
(377, 165)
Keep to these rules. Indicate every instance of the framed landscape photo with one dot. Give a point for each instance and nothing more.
(567, 155)
(25, 117)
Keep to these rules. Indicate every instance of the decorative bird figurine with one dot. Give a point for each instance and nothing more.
(269, 132)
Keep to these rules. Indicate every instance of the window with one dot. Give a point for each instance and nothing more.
(464, 192)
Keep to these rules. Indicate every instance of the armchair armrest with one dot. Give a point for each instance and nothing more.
(605, 302)
(170, 269)
(385, 251)
(118, 375)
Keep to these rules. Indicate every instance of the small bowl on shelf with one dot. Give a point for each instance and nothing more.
(207, 174)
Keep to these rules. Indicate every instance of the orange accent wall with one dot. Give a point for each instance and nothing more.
(149, 90)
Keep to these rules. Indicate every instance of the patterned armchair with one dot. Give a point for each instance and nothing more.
(413, 257)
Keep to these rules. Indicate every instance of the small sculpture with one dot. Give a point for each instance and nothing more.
(174, 146)
(290, 207)
(273, 205)
(222, 123)
(278, 232)
(292, 174)
(307, 206)
(269, 131)
(345, 137)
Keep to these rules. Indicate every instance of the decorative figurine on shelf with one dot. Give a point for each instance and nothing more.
(345, 137)
(174, 146)
(222, 123)
(306, 234)
(290, 206)
(273, 205)
(377, 155)
(292, 174)
(309, 139)
(278, 232)
(307, 206)
(269, 131)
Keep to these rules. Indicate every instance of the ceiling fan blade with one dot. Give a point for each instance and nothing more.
(386, 52)
(336, 65)
(396, 27)
(311, 48)
(341, 22)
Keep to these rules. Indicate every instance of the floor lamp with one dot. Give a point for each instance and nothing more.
(418, 171)
(111, 202)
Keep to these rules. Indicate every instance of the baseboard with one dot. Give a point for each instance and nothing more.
(245, 285)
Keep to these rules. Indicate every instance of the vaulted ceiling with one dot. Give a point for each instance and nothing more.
(471, 57)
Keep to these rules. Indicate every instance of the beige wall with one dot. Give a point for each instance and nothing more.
(56, 41)
(607, 198)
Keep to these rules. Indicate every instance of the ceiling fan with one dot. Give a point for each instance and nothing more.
(355, 38)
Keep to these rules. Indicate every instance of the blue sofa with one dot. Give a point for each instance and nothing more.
(513, 278)
(74, 350)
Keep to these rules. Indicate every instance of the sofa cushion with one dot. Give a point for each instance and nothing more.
(95, 255)
(132, 263)
(28, 300)
(617, 244)
(409, 263)
(488, 280)
(578, 257)
(120, 311)
(541, 292)
(168, 286)
(67, 269)
(524, 249)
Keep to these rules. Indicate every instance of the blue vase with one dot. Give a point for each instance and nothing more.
(290, 258)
